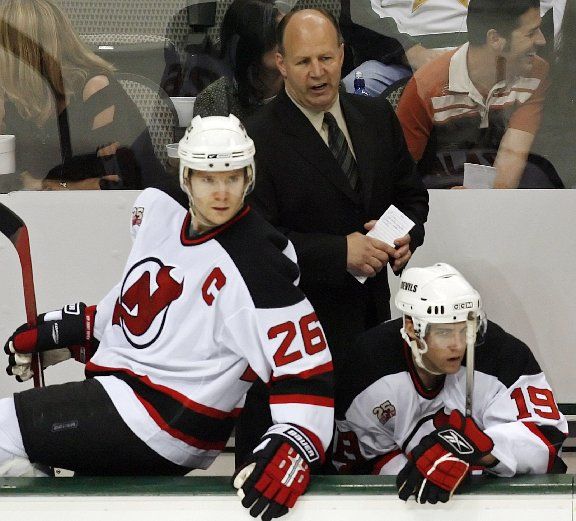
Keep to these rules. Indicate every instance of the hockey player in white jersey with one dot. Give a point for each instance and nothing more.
(208, 302)
(401, 402)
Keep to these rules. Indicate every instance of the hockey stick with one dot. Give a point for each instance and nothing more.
(471, 326)
(14, 228)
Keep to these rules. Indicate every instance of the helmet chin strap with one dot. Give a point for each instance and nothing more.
(417, 352)
(199, 220)
(197, 217)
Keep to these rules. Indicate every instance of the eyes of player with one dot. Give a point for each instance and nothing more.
(447, 332)
(213, 180)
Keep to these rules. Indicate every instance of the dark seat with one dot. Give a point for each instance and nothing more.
(155, 107)
(393, 92)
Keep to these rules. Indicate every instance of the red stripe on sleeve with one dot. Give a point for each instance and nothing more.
(301, 398)
(321, 369)
(533, 428)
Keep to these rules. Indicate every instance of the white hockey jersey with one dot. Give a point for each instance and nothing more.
(193, 321)
(417, 17)
(383, 410)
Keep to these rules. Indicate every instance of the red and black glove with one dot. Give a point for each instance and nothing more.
(278, 472)
(58, 335)
(440, 462)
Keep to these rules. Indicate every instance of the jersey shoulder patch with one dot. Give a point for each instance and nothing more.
(256, 248)
(146, 204)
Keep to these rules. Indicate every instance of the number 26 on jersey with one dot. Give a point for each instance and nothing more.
(308, 328)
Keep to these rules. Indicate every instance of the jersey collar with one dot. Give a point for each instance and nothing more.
(200, 239)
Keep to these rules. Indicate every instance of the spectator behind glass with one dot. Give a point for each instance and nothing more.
(392, 38)
(75, 126)
(555, 141)
(248, 45)
(483, 102)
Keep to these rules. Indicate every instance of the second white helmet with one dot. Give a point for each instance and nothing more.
(437, 294)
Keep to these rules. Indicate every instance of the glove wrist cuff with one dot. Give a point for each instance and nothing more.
(305, 442)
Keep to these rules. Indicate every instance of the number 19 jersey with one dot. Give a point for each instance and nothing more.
(383, 409)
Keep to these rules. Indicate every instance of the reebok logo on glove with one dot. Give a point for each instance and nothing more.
(456, 441)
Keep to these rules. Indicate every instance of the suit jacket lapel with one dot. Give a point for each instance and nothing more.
(365, 146)
(308, 143)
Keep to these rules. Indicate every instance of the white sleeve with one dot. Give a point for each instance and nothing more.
(287, 347)
(526, 427)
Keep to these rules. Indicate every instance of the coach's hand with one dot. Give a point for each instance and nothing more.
(440, 462)
(59, 335)
(366, 256)
(278, 472)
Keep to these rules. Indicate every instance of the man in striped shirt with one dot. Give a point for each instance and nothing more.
(481, 103)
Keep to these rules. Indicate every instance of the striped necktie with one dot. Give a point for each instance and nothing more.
(339, 147)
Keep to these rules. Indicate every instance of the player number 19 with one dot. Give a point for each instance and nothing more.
(542, 401)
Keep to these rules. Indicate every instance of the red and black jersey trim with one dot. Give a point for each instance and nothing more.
(189, 241)
(315, 390)
(553, 439)
(198, 425)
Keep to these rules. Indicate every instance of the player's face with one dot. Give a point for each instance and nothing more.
(523, 44)
(312, 61)
(446, 347)
(218, 196)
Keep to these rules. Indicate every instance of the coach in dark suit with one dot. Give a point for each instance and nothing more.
(302, 188)
(311, 187)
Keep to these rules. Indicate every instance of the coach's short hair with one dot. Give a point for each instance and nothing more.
(501, 15)
(281, 27)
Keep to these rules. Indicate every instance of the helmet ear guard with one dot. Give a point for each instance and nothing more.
(438, 294)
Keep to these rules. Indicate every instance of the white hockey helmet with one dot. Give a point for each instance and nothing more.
(437, 294)
(216, 144)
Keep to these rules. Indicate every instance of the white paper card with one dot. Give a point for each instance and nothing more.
(479, 176)
(392, 225)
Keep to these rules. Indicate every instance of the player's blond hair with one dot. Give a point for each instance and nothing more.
(43, 62)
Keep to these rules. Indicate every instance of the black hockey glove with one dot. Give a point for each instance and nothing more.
(59, 335)
(440, 462)
(278, 472)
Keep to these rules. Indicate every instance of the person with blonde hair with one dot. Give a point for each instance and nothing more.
(75, 126)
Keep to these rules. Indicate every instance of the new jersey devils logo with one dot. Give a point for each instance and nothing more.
(146, 294)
